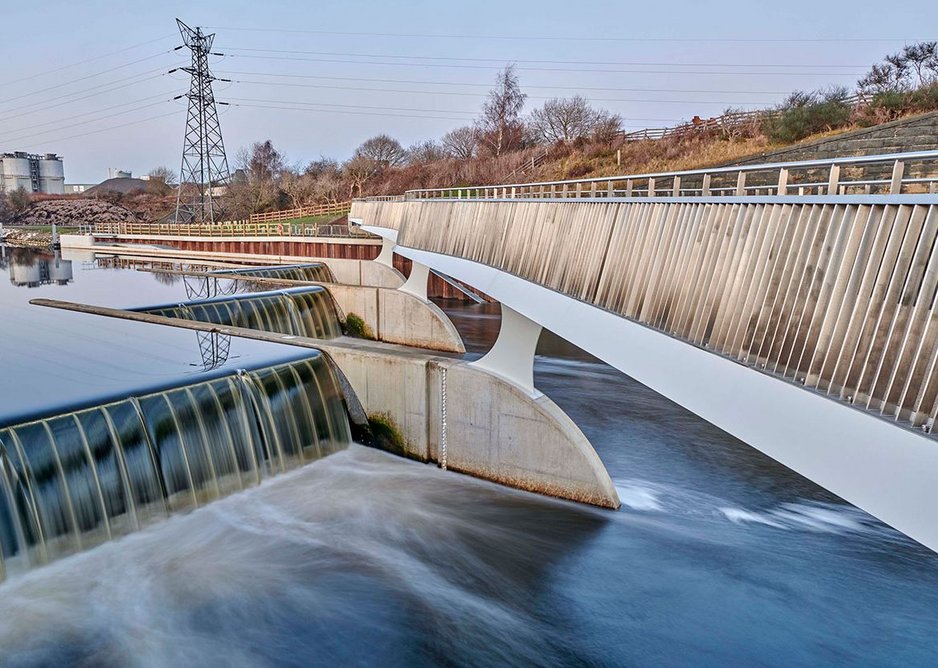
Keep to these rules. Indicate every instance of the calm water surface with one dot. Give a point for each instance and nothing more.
(718, 556)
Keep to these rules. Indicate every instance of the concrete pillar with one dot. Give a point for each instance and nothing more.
(416, 284)
(512, 356)
(386, 256)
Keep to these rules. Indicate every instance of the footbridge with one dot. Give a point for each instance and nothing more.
(792, 305)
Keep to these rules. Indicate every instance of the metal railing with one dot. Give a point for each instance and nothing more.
(894, 173)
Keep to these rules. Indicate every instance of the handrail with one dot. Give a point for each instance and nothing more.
(782, 184)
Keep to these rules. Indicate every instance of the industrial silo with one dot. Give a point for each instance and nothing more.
(16, 173)
(27, 274)
(51, 175)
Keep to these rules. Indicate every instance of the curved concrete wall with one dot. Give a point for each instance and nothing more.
(494, 430)
(398, 317)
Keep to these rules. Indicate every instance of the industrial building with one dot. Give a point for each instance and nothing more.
(32, 173)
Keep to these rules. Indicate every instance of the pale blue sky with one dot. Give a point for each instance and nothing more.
(689, 65)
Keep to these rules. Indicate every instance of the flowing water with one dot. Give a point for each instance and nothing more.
(719, 556)
(304, 311)
(72, 481)
(315, 272)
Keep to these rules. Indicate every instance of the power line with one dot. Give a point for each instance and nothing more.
(351, 112)
(239, 102)
(477, 94)
(43, 104)
(530, 69)
(489, 85)
(85, 78)
(354, 106)
(548, 62)
(108, 129)
(568, 38)
(83, 62)
(91, 120)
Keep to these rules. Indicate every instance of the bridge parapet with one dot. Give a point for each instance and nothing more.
(864, 175)
(835, 293)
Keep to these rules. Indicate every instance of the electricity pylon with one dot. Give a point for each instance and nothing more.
(204, 165)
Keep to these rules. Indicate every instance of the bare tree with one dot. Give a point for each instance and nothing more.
(923, 59)
(561, 120)
(383, 150)
(322, 167)
(500, 128)
(298, 187)
(6, 211)
(607, 126)
(256, 185)
(462, 143)
(359, 170)
(19, 200)
(164, 174)
(262, 162)
(425, 152)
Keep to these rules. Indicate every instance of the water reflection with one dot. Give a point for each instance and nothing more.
(215, 349)
(29, 268)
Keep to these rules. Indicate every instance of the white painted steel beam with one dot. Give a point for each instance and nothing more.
(512, 356)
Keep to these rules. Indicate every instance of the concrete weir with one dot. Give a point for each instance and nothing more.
(447, 411)
(391, 316)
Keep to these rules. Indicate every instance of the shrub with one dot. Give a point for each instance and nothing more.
(804, 114)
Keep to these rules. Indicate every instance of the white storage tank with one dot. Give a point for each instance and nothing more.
(25, 274)
(60, 271)
(15, 169)
(51, 175)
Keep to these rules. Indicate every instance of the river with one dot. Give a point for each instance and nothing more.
(719, 556)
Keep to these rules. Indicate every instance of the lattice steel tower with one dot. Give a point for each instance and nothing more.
(204, 165)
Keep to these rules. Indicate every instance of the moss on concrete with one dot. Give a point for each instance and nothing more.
(356, 326)
(386, 435)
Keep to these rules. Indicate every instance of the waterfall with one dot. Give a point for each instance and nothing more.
(303, 311)
(315, 272)
(72, 481)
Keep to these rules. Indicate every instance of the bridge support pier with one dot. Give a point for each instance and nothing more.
(512, 356)
(416, 283)
(386, 256)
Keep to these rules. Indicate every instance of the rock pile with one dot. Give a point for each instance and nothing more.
(73, 212)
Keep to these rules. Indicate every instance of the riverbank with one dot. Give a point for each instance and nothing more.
(27, 237)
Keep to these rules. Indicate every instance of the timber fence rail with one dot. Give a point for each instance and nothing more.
(337, 208)
(726, 123)
(895, 173)
(274, 224)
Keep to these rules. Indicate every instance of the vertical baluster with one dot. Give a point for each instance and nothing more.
(676, 187)
(833, 181)
(741, 184)
(651, 187)
(782, 181)
(705, 186)
(895, 186)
